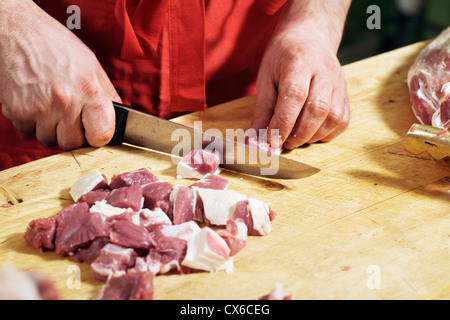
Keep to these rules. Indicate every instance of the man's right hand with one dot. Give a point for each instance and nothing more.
(51, 84)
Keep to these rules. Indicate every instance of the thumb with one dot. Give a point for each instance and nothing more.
(99, 123)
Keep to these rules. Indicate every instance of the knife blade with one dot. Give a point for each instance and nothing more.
(144, 130)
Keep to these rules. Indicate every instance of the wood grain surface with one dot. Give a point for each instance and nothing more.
(372, 224)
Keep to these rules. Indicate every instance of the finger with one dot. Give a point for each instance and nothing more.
(46, 132)
(69, 132)
(266, 97)
(292, 94)
(313, 114)
(99, 122)
(334, 118)
(343, 124)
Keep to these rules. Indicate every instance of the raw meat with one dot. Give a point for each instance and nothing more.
(278, 293)
(260, 142)
(112, 261)
(184, 200)
(429, 83)
(93, 196)
(208, 251)
(197, 164)
(235, 235)
(211, 181)
(140, 226)
(256, 215)
(218, 206)
(141, 177)
(152, 217)
(127, 234)
(40, 233)
(90, 181)
(131, 286)
(76, 227)
(157, 195)
(126, 197)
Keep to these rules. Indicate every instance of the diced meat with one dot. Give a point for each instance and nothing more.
(207, 251)
(126, 197)
(130, 235)
(130, 286)
(157, 195)
(260, 142)
(156, 216)
(256, 215)
(106, 210)
(45, 286)
(89, 252)
(76, 226)
(235, 235)
(197, 164)
(93, 196)
(90, 181)
(40, 233)
(184, 231)
(183, 201)
(278, 293)
(112, 261)
(218, 206)
(211, 181)
(137, 177)
(429, 82)
(165, 256)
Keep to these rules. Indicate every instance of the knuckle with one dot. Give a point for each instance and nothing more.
(320, 109)
(294, 92)
(334, 118)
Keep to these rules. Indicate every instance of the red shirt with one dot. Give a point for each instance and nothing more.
(164, 57)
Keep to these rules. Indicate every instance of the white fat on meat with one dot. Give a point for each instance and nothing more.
(111, 260)
(219, 205)
(259, 212)
(208, 251)
(85, 184)
(106, 211)
(155, 216)
(185, 231)
(187, 170)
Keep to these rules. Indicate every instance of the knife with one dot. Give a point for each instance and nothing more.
(144, 130)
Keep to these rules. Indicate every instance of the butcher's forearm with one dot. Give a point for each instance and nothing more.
(323, 18)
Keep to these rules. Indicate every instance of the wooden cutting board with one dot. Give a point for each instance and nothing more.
(372, 224)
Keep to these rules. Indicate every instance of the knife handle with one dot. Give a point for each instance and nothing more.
(121, 121)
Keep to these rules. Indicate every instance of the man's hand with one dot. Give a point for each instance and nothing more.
(51, 84)
(301, 89)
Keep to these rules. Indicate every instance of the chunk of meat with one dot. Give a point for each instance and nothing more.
(157, 195)
(207, 251)
(218, 206)
(235, 235)
(93, 196)
(429, 82)
(76, 226)
(185, 230)
(90, 252)
(260, 142)
(211, 181)
(130, 235)
(184, 200)
(40, 233)
(133, 285)
(91, 181)
(197, 164)
(113, 261)
(256, 215)
(277, 293)
(137, 177)
(156, 216)
(126, 197)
